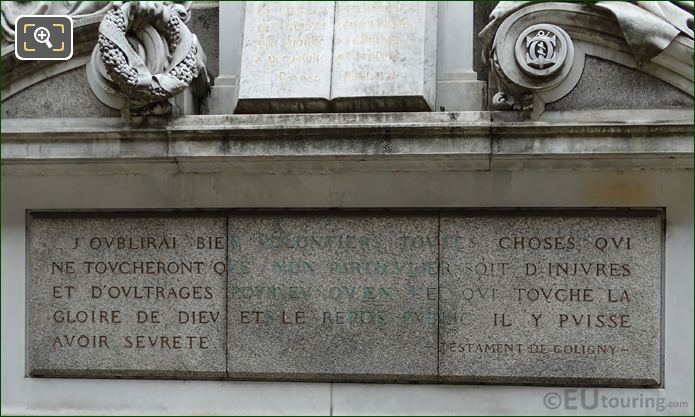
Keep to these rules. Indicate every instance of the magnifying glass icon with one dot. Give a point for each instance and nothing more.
(42, 35)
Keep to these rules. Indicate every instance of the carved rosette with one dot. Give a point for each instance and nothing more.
(167, 61)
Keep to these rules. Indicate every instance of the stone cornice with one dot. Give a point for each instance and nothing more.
(345, 142)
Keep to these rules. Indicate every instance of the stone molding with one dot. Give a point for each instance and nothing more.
(621, 139)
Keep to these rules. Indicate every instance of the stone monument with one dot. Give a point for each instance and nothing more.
(349, 208)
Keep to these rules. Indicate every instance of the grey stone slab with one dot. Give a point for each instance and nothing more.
(333, 296)
(606, 85)
(384, 56)
(204, 24)
(599, 310)
(286, 57)
(481, 17)
(612, 140)
(515, 297)
(91, 302)
(70, 96)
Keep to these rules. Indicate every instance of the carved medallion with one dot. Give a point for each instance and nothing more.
(541, 50)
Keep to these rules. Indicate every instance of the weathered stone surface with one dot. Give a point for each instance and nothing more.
(204, 23)
(286, 57)
(596, 295)
(481, 17)
(376, 143)
(540, 297)
(606, 85)
(91, 307)
(384, 57)
(70, 97)
(330, 296)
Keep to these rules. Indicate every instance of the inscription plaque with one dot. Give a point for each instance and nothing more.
(343, 296)
(550, 298)
(286, 57)
(528, 296)
(126, 295)
(340, 56)
(384, 56)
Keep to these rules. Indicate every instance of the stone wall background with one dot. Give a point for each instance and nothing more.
(672, 189)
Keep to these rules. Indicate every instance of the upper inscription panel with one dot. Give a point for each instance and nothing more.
(340, 56)
(286, 57)
(126, 295)
(384, 56)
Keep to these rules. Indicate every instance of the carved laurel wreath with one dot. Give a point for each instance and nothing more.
(126, 68)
